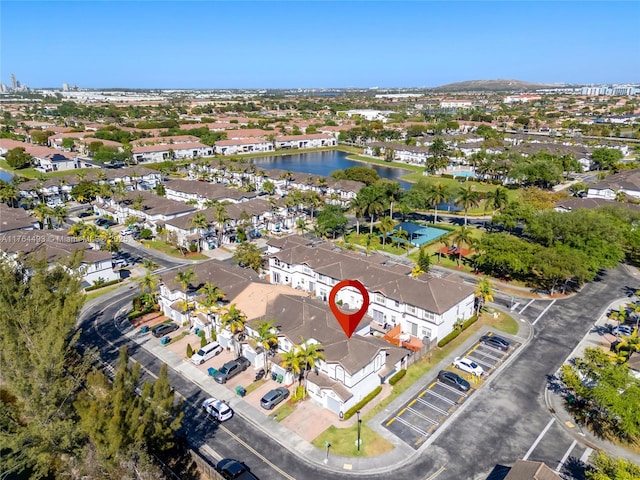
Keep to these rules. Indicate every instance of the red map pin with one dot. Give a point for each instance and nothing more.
(349, 321)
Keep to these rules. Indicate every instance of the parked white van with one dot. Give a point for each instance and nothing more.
(206, 353)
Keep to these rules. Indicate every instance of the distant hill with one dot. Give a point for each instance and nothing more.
(491, 86)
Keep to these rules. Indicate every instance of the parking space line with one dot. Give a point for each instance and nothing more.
(482, 362)
(497, 359)
(543, 312)
(525, 307)
(432, 384)
(566, 455)
(535, 444)
(454, 390)
(412, 427)
(442, 397)
(424, 417)
(430, 405)
(391, 421)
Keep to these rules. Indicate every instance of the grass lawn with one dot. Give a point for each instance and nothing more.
(343, 441)
(255, 385)
(101, 291)
(416, 169)
(33, 173)
(170, 250)
(283, 411)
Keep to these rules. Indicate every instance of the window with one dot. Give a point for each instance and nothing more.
(397, 303)
(411, 309)
(414, 328)
(379, 298)
(276, 262)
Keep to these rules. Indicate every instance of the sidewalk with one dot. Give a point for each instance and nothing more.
(554, 393)
(401, 454)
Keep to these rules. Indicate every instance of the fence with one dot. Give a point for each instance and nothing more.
(417, 355)
(205, 467)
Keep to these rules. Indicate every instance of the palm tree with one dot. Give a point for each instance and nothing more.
(185, 278)
(439, 151)
(200, 222)
(310, 354)
(292, 362)
(462, 237)
(484, 293)
(149, 264)
(386, 227)
(497, 199)
(148, 284)
(467, 197)
(267, 338)
(9, 194)
(436, 194)
(90, 233)
(358, 206)
(42, 212)
(446, 242)
(374, 204)
(60, 212)
(77, 229)
(234, 321)
(221, 217)
(110, 241)
(212, 295)
(400, 235)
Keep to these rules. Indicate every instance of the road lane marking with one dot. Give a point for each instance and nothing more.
(535, 444)
(436, 474)
(543, 312)
(566, 455)
(525, 307)
(585, 456)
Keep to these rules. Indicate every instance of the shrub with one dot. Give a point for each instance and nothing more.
(298, 394)
(146, 234)
(104, 284)
(469, 322)
(189, 350)
(203, 338)
(193, 247)
(397, 377)
(449, 338)
(358, 406)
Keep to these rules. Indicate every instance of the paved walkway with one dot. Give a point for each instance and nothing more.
(598, 336)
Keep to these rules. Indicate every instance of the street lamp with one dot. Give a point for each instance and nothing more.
(326, 459)
(359, 424)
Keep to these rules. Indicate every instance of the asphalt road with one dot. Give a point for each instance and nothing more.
(499, 425)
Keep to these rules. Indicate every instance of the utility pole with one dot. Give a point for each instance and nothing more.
(359, 424)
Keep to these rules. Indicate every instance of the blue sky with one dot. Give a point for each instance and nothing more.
(316, 44)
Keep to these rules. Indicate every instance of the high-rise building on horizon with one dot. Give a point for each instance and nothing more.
(14, 82)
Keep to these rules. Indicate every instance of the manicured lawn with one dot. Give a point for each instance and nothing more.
(255, 385)
(100, 291)
(33, 173)
(343, 441)
(283, 411)
(415, 168)
(376, 242)
(170, 250)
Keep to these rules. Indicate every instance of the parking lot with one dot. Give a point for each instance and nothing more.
(421, 416)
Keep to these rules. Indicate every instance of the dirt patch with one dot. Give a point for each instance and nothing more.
(150, 319)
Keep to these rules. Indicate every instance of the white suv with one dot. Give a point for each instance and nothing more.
(218, 409)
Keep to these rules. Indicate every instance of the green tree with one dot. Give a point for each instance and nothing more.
(211, 296)
(293, 362)
(386, 227)
(467, 198)
(439, 152)
(248, 255)
(267, 338)
(9, 193)
(40, 137)
(149, 283)
(497, 199)
(268, 187)
(68, 143)
(110, 241)
(310, 355)
(332, 219)
(424, 260)
(200, 222)
(85, 191)
(437, 193)
(41, 370)
(610, 468)
(606, 158)
(60, 213)
(484, 293)
(42, 213)
(17, 158)
(373, 202)
(234, 320)
(358, 206)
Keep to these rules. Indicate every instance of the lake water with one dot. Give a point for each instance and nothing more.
(6, 176)
(323, 163)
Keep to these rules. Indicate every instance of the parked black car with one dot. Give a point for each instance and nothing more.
(495, 342)
(454, 380)
(231, 369)
(231, 469)
(164, 329)
(274, 397)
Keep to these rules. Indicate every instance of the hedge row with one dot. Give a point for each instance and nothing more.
(136, 314)
(457, 332)
(358, 406)
(105, 284)
(397, 377)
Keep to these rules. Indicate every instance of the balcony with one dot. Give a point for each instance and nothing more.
(396, 337)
